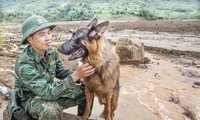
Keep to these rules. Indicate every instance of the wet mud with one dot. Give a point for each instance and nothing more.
(167, 87)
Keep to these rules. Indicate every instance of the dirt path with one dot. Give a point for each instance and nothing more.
(165, 89)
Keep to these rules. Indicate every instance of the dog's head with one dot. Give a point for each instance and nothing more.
(84, 41)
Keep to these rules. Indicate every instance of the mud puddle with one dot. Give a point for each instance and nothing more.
(162, 89)
(156, 91)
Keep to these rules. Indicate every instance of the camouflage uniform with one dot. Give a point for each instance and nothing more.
(41, 96)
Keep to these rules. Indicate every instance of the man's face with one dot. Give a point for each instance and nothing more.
(41, 40)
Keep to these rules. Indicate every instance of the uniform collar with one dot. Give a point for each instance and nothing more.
(36, 56)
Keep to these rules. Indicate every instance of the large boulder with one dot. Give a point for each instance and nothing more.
(130, 53)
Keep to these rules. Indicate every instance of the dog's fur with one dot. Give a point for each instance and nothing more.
(90, 44)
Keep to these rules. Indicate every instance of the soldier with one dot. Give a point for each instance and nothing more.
(42, 97)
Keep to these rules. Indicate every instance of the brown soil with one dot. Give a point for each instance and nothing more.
(167, 88)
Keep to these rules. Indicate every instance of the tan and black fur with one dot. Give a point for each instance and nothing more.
(90, 44)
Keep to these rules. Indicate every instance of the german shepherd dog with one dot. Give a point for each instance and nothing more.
(90, 44)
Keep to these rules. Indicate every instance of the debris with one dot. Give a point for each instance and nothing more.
(71, 31)
(4, 90)
(194, 62)
(155, 58)
(174, 99)
(0, 104)
(196, 87)
(8, 54)
(198, 66)
(190, 73)
(1, 69)
(188, 113)
(197, 83)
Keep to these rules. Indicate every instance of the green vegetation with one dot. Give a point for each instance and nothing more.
(2, 30)
(70, 10)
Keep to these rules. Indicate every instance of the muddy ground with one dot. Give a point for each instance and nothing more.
(167, 88)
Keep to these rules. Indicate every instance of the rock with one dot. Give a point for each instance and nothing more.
(0, 104)
(5, 114)
(196, 83)
(71, 31)
(190, 73)
(111, 42)
(130, 53)
(196, 87)
(198, 66)
(194, 62)
(155, 58)
(156, 74)
(174, 99)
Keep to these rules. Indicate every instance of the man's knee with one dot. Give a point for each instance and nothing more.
(44, 110)
(51, 111)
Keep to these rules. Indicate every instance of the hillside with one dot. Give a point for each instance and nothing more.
(70, 10)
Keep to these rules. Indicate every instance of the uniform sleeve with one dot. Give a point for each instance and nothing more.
(41, 85)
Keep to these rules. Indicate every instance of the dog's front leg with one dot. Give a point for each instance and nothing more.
(108, 106)
(89, 99)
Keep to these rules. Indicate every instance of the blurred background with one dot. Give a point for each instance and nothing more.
(71, 10)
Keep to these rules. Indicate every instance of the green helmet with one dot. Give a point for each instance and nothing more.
(34, 24)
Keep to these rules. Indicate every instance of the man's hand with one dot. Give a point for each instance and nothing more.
(82, 72)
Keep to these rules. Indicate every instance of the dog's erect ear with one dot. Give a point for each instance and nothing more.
(92, 23)
(98, 30)
(101, 28)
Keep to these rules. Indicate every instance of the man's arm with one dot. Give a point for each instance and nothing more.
(42, 85)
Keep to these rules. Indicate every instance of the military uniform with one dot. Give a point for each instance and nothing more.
(34, 81)
(40, 96)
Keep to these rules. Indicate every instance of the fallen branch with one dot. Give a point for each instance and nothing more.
(13, 41)
(4, 83)
(8, 54)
